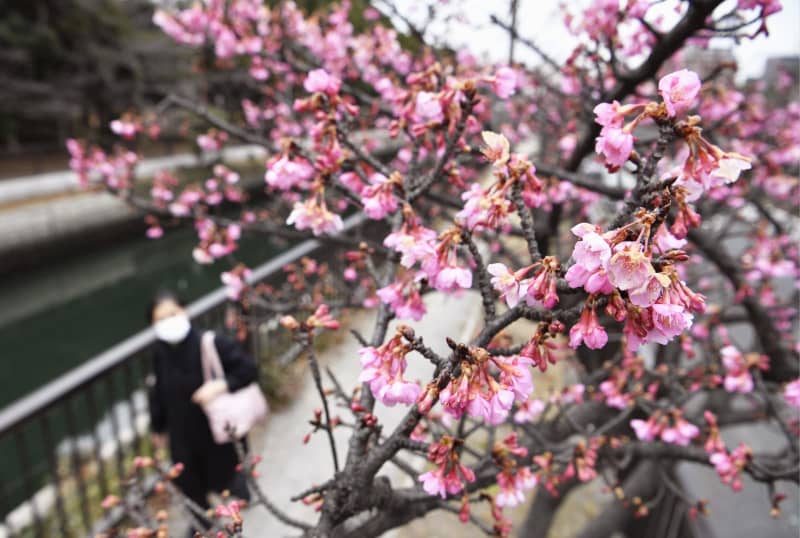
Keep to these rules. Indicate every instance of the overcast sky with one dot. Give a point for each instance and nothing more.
(541, 20)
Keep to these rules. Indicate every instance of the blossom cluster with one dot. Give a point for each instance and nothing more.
(383, 368)
(450, 474)
(481, 394)
(656, 305)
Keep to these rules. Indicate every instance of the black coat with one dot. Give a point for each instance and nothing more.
(178, 371)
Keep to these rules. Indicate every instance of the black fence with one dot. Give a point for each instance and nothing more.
(74, 437)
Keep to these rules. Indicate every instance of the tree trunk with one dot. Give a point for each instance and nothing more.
(543, 511)
(614, 516)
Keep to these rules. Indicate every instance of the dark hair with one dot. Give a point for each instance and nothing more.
(160, 297)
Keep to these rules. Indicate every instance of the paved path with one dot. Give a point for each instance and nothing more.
(289, 466)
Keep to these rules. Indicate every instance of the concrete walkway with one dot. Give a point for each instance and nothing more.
(288, 466)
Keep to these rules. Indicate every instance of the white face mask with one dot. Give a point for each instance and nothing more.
(173, 329)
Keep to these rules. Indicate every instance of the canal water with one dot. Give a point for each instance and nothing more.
(56, 317)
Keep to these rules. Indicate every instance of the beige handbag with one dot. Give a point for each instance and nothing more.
(232, 412)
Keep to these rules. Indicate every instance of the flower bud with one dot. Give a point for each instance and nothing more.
(407, 332)
(110, 502)
(289, 323)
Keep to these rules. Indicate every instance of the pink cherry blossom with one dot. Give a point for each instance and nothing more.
(646, 430)
(529, 410)
(497, 148)
(398, 391)
(588, 331)
(679, 91)
(444, 270)
(314, 216)
(592, 251)
(769, 7)
(494, 408)
(427, 108)
(729, 169)
(737, 375)
(437, 482)
(665, 241)
(591, 255)
(542, 287)
(650, 291)
(729, 466)
(319, 80)
(404, 299)
(232, 510)
(350, 274)
(414, 243)
(125, 129)
(235, 282)
(154, 232)
(612, 392)
(669, 321)
(285, 174)
(791, 393)
(593, 282)
(615, 145)
(213, 140)
(202, 256)
(450, 278)
(383, 369)
(512, 486)
(573, 393)
(629, 267)
(189, 34)
(608, 115)
(505, 82)
(378, 197)
(680, 433)
(224, 43)
(515, 373)
(509, 285)
(483, 209)
(352, 182)
(450, 474)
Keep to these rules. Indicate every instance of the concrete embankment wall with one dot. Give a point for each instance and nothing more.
(38, 232)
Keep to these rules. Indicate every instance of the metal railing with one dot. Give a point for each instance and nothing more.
(73, 437)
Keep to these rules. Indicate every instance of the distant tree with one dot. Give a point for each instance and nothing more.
(72, 65)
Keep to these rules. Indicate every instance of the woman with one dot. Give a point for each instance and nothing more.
(179, 393)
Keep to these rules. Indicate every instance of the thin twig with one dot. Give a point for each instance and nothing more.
(315, 373)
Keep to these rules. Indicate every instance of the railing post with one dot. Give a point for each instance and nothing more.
(96, 441)
(52, 457)
(119, 455)
(130, 390)
(27, 470)
(77, 472)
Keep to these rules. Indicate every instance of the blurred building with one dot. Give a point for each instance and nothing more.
(781, 68)
(718, 63)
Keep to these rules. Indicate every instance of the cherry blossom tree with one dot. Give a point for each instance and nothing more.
(637, 213)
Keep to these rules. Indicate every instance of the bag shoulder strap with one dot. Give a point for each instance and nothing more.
(212, 365)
